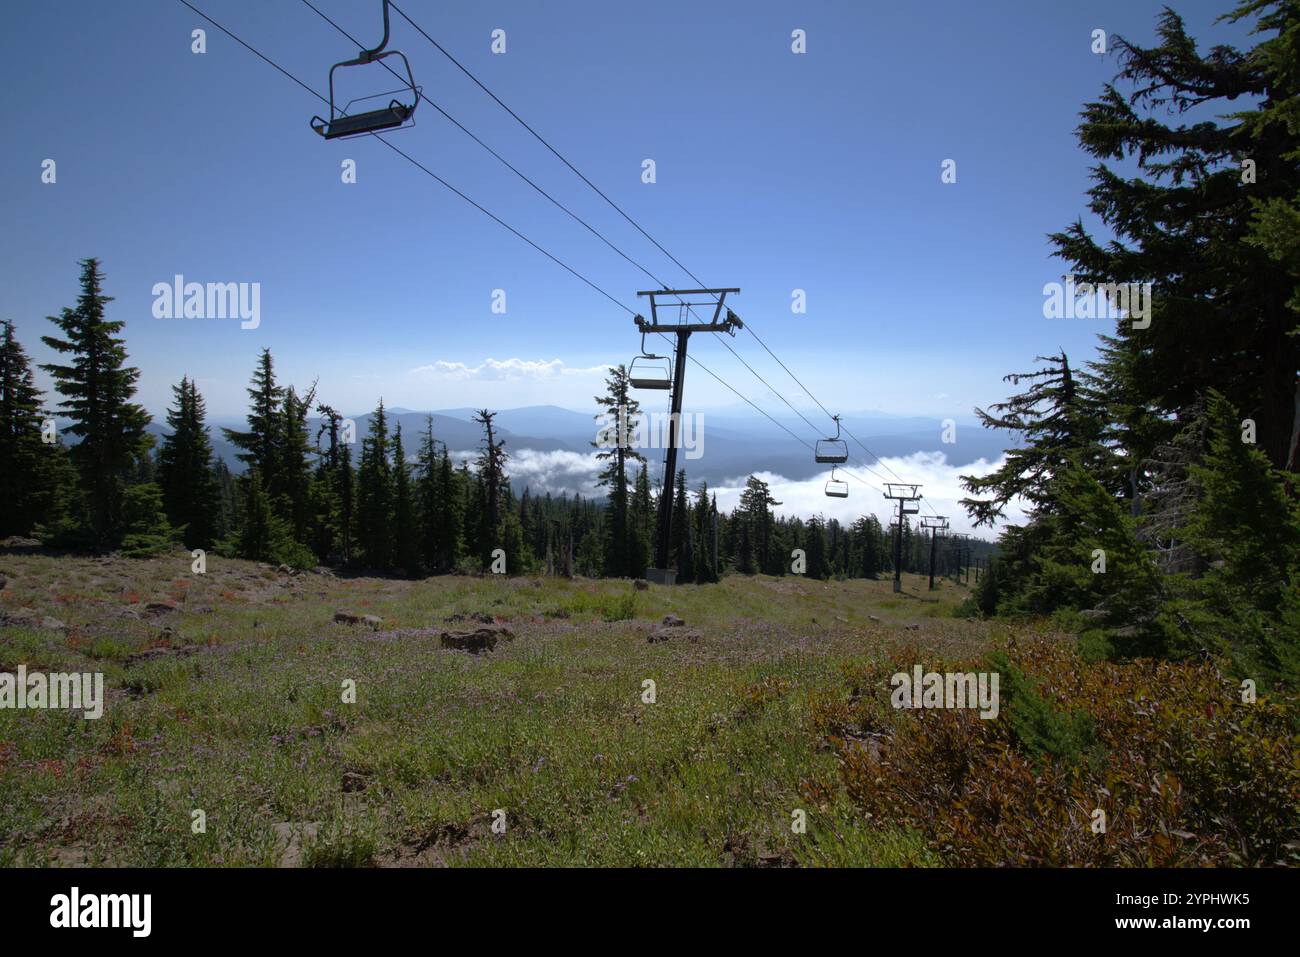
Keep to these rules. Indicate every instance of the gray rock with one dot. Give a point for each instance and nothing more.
(477, 640)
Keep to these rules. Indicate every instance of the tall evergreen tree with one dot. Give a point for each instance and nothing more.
(259, 445)
(491, 464)
(406, 533)
(621, 412)
(375, 494)
(1204, 217)
(97, 387)
(25, 478)
(681, 554)
(190, 495)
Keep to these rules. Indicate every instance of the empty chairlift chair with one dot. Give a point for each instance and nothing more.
(342, 124)
(832, 451)
(649, 371)
(837, 488)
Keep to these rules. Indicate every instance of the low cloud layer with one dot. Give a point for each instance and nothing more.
(563, 471)
(503, 370)
(940, 486)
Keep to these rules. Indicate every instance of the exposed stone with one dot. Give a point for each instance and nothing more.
(481, 639)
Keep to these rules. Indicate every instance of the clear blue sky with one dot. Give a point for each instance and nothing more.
(775, 171)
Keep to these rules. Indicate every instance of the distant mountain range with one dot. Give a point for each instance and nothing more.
(734, 443)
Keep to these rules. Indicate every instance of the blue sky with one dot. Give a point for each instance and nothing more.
(775, 171)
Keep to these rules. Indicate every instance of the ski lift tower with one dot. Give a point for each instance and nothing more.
(661, 574)
(906, 495)
(936, 525)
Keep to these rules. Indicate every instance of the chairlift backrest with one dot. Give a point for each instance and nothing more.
(831, 452)
(837, 488)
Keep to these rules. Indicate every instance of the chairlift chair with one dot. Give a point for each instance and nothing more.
(342, 124)
(832, 451)
(649, 371)
(837, 488)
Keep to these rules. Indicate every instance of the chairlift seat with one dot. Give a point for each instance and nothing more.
(373, 121)
(837, 489)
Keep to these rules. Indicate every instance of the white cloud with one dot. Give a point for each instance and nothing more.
(503, 370)
(555, 472)
(940, 486)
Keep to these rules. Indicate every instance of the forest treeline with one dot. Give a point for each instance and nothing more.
(1160, 478)
(385, 501)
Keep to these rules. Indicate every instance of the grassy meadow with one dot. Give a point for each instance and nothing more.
(225, 695)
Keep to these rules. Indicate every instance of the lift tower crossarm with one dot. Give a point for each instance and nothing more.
(661, 572)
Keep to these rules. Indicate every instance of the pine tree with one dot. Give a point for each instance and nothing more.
(814, 545)
(190, 495)
(491, 464)
(406, 544)
(146, 529)
(621, 413)
(293, 463)
(97, 388)
(25, 479)
(706, 570)
(640, 546)
(681, 555)
(375, 494)
(1246, 529)
(1206, 229)
(260, 443)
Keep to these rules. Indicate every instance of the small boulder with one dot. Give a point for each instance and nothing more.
(476, 641)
